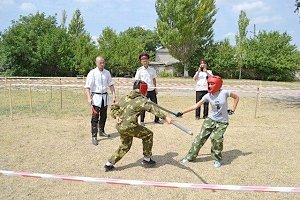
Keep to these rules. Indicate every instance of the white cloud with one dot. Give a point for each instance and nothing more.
(253, 7)
(28, 7)
(85, 1)
(5, 3)
(266, 19)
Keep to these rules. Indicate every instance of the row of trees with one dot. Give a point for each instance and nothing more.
(35, 45)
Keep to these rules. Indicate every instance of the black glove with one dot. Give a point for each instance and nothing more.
(230, 112)
(178, 114)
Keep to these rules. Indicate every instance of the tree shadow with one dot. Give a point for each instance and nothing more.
(161, 160)
(228, 156)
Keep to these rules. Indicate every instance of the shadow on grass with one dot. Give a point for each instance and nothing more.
(161, 160)
(228, 156)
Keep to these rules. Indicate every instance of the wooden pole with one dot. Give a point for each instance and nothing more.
(61, 104)
(259, 100)
(256, 103)
(51, 92)
(10, 102)
(30, 95)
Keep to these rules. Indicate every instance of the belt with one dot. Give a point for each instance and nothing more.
(99, 93)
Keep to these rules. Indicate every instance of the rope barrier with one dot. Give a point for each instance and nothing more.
(153, 183)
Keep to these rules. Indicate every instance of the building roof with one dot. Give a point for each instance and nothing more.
(163, 56)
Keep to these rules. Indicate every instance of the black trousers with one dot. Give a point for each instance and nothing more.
(98, 119)
(199, 95)
(152, 96)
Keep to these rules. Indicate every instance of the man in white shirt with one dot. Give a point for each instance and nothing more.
(201, 77)
(147, 74)
(97, 82)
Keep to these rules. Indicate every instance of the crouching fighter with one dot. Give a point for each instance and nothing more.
(126, 112)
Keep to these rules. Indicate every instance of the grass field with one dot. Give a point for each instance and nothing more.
(261, 151)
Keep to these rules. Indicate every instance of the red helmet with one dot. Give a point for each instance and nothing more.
(214, 83)
(142, 86)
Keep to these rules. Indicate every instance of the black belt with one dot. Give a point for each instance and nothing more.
(99, 93)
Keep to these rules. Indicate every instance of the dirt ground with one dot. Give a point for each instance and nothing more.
(258, 151)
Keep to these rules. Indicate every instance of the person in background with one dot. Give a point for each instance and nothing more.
(147, 74)
(201, 87)
(215, 125)
(97, 82)
(126, 112)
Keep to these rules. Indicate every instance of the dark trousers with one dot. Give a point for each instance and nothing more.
(99, 116)
(199, 95)
(152, 96)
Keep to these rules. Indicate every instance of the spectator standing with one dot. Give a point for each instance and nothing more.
(97, 82)
(201, 77)
(147, 74)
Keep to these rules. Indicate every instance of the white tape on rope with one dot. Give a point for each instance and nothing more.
(153, 183)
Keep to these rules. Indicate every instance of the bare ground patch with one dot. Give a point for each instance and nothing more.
(258, 151)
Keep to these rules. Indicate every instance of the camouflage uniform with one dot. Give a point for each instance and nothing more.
(213, 129)
(128, 109)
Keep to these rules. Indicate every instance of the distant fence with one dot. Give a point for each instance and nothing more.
(62, 86)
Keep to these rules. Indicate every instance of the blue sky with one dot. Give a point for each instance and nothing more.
(269, 15)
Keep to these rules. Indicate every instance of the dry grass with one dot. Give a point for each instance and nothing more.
(258, 151)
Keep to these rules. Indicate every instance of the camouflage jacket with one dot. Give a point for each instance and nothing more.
(130, 107)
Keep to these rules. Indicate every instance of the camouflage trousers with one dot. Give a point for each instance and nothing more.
(126, 136)
(214, 130)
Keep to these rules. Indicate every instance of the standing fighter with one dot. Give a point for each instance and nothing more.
(126, 112)
(97, 82)
(147, 74)
(214, 126)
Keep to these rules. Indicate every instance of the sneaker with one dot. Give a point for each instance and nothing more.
(184, 161)
(149, 163)
(217, 163)
(103, 134)
(108, 168)
(142, 123)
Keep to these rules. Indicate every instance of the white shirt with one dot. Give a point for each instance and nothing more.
(98, 82)
(201, 84)
(147, 75)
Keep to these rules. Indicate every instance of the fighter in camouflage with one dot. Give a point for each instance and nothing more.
(126, 112)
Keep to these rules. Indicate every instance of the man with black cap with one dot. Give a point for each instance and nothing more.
(147, 74)
(126, 112)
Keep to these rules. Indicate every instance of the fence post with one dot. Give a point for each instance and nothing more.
(61, 104)
(10, 102)
(30, 95)
(256, 103)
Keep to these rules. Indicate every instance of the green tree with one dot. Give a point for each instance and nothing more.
(182, 25)
(221, 59)
(20, 44)
(121, 50)
(271, 56)
(241, 40)
(83, 47)
(297, 4)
